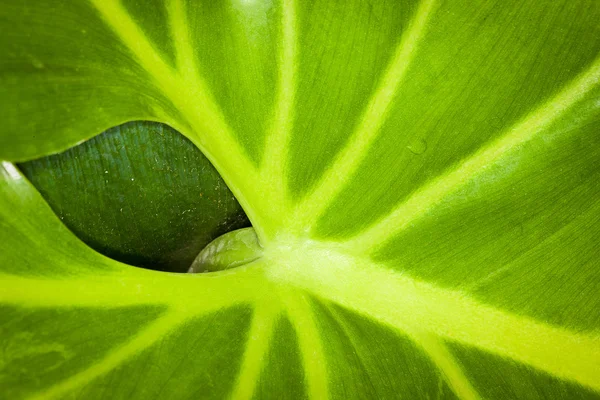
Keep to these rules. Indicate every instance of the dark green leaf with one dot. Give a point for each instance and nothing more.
(139, 193)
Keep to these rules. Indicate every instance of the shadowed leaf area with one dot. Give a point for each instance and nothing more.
(140, 193)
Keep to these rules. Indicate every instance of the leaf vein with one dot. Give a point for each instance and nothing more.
(348, 160)
(431, 194)
(189, 93)
(276, 146)
(143, 340)
(410, 305)
(448, 366)
(309, 342)
(257, 345)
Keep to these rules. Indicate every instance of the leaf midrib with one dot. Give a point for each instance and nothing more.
(370, 289)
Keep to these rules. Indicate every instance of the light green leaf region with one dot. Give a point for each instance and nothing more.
(421, 178)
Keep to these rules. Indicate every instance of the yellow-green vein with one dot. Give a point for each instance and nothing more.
(350, 157)
(244, 285)
(257, 346)
(449, 368)
(425, 198)
(309, 341)
(410, 305)
(438, 353)
(275, 156)
(190, 94)
(95, 291)
(141, 341)
(185, 55)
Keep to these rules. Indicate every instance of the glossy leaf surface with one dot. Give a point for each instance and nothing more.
(421, 176)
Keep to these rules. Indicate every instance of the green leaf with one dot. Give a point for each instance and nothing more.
(421, 178)
(139, 193)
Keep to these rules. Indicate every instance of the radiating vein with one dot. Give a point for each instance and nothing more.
(309, 342)
(96, 292)
(350, 157)
(138, 288)
(410, 305)
(257, 346)
(117, 356)
(425, 198)
(448, 366)
(132, 36)
(276, 147)
(189, 93)
(190, 100)
(186, 57)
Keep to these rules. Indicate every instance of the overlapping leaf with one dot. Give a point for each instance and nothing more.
(139, 193)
